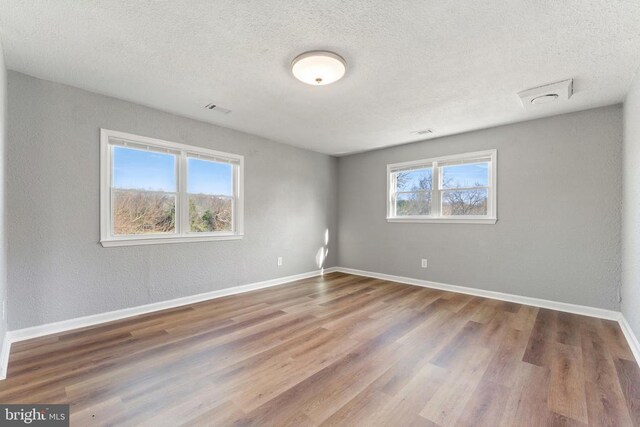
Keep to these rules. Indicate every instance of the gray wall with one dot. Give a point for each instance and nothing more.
(631, 209)
(57, 269)
(558, 234)
(3, 228)
(559, 219)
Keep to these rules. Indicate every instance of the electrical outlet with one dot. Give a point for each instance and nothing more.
(424, 263)
(279, 261)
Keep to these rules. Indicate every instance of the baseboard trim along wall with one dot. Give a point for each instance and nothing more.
(631, 337)
(110, 316)
(82, 322)
(535, 302)
(4, 356)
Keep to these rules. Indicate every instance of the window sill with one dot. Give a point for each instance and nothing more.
(166, 240)
(446, 220)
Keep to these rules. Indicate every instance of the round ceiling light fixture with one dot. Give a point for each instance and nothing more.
(544, 99)
(318, 67)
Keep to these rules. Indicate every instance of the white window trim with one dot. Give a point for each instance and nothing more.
(492, 214)
(107, 239)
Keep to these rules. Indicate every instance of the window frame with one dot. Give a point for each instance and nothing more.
(436, 191)
(182, 152)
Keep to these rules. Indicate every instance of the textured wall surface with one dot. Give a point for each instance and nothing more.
(631, 210)
(557, 237)
(559, 215)
(3, 192)
(58, 270)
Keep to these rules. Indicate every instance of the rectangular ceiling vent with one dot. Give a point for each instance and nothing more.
(547, 95)
(217, 108)
(423, 132)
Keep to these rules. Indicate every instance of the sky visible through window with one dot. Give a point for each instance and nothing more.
(458, 176)
(470, 175)
(209, 177)
(155, 171)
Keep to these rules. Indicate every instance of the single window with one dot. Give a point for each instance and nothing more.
(156, 191)
(459, 188)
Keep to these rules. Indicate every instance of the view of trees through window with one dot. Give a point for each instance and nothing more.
(209, 213)
(145, 190)
(210, 190)
(463, 190)
(143, 212)
(413, 192)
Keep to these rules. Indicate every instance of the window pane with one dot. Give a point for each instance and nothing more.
(207, 177)
(142, 185)
(419, 179)
(464, 202)
(465, 176)
(413, 204)
(143, 212)
(210, 213)
(210, 188)
(144, 170)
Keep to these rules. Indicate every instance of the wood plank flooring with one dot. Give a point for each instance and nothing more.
(336, 350)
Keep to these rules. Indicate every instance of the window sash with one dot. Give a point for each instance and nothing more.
(437, 191)
(182, 232)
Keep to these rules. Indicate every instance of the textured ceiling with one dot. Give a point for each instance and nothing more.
(452, 66)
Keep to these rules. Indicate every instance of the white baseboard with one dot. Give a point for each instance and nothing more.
(95, 319)
(536, 302)
(631, 337)
(81, 322)
(4, 356)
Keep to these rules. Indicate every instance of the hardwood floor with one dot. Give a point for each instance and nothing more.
(337, 350)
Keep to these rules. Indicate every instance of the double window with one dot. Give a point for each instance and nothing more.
(155, 191)
(459, 188)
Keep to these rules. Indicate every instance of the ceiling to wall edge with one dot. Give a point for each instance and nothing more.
(336, 155)
(478, 129)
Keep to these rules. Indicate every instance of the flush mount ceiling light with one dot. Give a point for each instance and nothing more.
(318, 67)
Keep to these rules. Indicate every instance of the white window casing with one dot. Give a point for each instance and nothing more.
(182, 152)
(435, 166)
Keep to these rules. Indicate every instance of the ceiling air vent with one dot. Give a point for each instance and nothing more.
(423, 132)
(217, 108)
(538, 97)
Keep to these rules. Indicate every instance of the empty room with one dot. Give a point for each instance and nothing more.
(334, 213)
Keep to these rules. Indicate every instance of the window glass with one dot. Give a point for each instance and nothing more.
(210, 191)
(209, 177)
(464, 189)
(417, 203)
(412, 180)
(144, 170)
(154, 191)
(464, 202)
(143, 192)
(465, 176)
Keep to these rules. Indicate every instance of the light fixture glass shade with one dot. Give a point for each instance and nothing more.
(318, 67)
